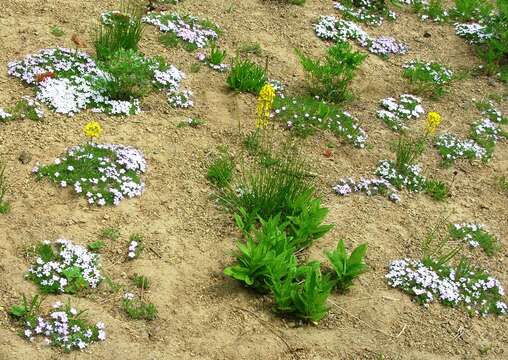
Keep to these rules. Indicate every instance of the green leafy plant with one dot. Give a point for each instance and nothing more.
(122, 33)
(407, 152)
(469, 10)
(436, 11)
(502, 183)
(216, 56)
(141, 282)
(495, 49)
(220, 171)
(130, 75)
(4, 205)
(266, 251)
(250, 48)
(330, 78)
(474, 235)
(246, 76)
(63, 267)
(49, 326)
(56, 31)
(303, 293)
(28, 309)
(110, 233)
(191, 122)
(429, 78)
(347, 267)
(270, 190)
(169, 40)
(307, 223)
(96, 246)
(304, 115)
(436, 189)
(138, 309)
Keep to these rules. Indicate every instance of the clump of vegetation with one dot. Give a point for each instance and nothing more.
(303, 293)
(294, 2)
(428, 78)
(4, 205)
(330, 78)
(78, 334)
(469, 10)
(303, 115)
(246, 76)
(56, 31)
(502, 183)
(433, 10)
(395, 114)
(141, 282)
(119, 30)
(434, 278)
(371, 12)
(486, 133)
(137, 308)
(80, 168)
(64, 267)
(279, 215)
(267, 191)
(191, 122)
(189, 31)
(215, 59)
(265, 251)
(437, 189)
(250, 48)
(136, 246)
(130, 75)
(110, 233)
(474, 235)
(347, 267)
(220, 171)
(494, 50)
(26, 108)
(404, 172)
(96, 246)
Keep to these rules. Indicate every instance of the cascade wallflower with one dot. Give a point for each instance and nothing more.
(265, 104)
(92, 130)
(433, 121)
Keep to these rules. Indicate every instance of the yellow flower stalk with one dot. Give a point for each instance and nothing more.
(264, 107)
(93, 130)
(432, 123)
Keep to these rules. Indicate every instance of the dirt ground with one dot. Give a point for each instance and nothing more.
(203, 314)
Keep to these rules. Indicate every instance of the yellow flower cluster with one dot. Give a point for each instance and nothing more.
(93, 130)
(433, 121)
(264, 108)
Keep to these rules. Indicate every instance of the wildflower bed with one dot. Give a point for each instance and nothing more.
(176, 199)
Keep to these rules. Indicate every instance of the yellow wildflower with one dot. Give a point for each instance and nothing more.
(93, 129)
(433, 121)
(264, 108)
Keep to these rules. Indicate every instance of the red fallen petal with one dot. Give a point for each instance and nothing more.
(44, 76)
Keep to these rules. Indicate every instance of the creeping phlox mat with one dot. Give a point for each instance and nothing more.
(64, 267)
(332, 28)
(66, 80)
(104, 173)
